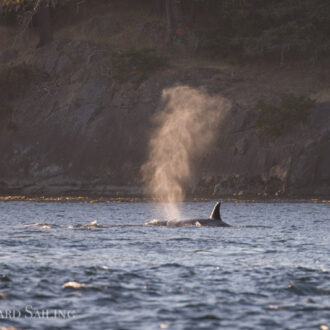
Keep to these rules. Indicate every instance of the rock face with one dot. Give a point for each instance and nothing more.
(294, 164)
(67, 126)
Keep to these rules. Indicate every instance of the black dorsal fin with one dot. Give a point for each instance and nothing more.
(215, 215)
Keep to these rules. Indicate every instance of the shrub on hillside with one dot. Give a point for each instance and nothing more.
(276, 120)
(138, 63)
(16, 79)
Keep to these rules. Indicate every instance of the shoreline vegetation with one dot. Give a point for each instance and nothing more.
(138, 199)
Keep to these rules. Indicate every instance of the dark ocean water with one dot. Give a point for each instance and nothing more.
(271, 270)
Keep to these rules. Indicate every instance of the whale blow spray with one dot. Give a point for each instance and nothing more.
(185, 130)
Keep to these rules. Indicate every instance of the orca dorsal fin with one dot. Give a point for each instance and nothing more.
(215, 215)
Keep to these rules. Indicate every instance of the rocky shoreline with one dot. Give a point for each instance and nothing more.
(72, 128)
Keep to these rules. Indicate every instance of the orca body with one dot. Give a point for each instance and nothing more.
(213, 221)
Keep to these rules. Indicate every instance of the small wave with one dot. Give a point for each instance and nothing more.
(89, 226)
(101, 267)
(273, 307)
(202, 251)
(307, 289)
(206, 317)
(126, 225)
(171, 265)
(254, 226)
(3, 296)
(43, 225)
(75, 285)
(4, 278)
(324, 327)
(156, 222)
(92, 225)
(180, 239)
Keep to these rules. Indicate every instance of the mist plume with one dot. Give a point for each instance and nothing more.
(184, 132)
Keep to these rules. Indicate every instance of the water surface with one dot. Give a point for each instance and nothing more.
(271, 270)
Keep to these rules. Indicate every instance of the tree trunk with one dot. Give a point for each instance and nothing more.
(173, 19)
(193, 12)
(158, 7)
(44, 24)
(177, 13)
(169, 21)
(212, 7)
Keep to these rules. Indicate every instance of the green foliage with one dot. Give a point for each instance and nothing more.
(7, 6)
(282, 28)
(136, 64)
(276, 120)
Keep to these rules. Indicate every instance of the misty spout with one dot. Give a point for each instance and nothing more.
(185, 131)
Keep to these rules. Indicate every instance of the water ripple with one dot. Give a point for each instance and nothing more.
(270, 271)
